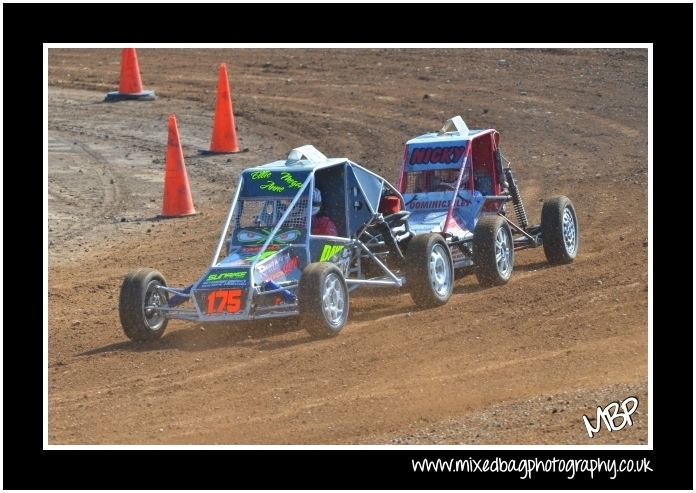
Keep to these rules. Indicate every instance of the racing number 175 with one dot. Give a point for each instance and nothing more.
(229, 301)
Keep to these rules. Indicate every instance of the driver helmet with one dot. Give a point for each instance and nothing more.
(316, 201)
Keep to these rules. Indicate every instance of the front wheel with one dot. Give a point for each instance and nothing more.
(493, 253)
(322, 296)
(139, 305)
(559, 230)
(430, 272)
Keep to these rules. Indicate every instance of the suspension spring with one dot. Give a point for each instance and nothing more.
(516, 200)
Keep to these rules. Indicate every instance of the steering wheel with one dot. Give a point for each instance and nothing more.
(397, 216)
(445, 186)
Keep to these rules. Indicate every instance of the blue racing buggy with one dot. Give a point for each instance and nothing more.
(269, 262)
(457, 183)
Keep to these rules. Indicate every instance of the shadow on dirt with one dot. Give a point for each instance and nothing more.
(467, 282)
(467, 288)
(374, 313)
(198, 337)
(152, 219)
(532, 267)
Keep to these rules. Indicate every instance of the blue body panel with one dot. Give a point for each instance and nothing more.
(429, 211)
(267, 245)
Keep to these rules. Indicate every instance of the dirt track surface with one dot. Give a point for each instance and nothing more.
(518, 364)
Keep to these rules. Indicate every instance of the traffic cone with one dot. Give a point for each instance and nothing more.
(177, 194)
(224, 139)
(130, 86)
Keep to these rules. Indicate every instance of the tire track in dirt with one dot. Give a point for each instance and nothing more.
(113, 198)
(601, 122)
(107, 199)
(96, 135)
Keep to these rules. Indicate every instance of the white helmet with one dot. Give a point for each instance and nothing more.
(316, 201)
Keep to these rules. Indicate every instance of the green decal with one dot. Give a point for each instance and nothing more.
(222, 276)
(260, 175)
(287, 236)
(286, 177)
(329, 251)
(272, 187)
(290, 180)
(264, 255)
(251, 236)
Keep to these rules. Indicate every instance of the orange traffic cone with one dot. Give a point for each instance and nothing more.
(224, 139)
(177, 194)
(130, 86)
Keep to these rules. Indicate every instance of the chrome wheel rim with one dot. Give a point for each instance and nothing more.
(569, 231)
(503, 253)
(440, 273)
(153, 300)
(333, 300)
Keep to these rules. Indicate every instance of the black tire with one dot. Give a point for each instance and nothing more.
(429, 270)
(139, 289)
(559, 230)
(322, 297)
(493, 251)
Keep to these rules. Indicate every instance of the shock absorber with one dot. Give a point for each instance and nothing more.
(516, 199)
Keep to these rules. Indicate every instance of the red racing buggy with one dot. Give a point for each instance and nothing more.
(456, 182)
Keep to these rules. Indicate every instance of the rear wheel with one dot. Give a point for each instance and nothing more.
(430, 272)
(322, 296)
(493, 253)
(559, 230)
(139, 305)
